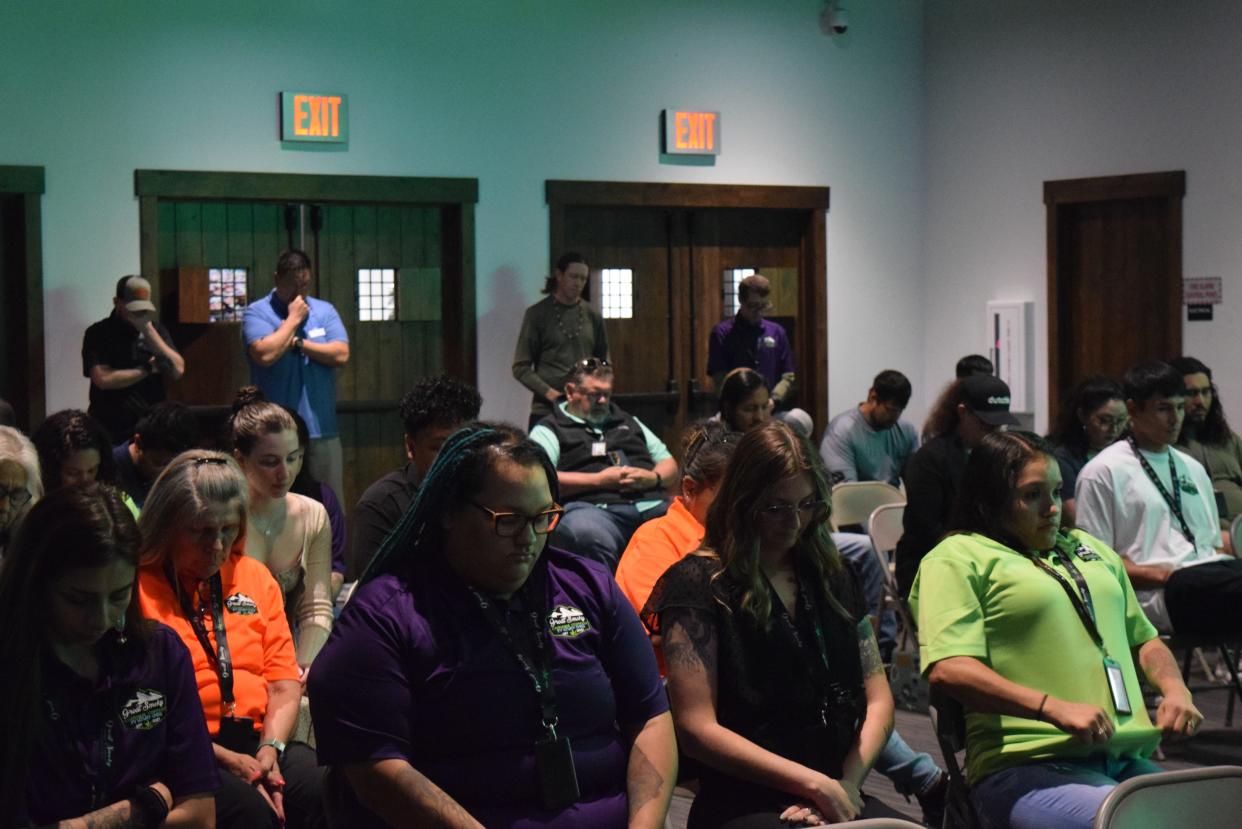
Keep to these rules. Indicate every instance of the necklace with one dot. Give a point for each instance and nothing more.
(560, 322)
(268, 529)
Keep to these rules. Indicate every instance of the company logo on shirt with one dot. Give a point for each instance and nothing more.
(145, 711)
(241, 604)
(767, 342)
(1187, 485)
(567, 622)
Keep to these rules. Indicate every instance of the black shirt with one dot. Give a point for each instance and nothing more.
(114, 343)
(377, 513)
(932, 477)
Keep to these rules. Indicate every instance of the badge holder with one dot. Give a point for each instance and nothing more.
(554, 764)
(1117, 685)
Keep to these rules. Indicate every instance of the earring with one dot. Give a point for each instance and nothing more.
(120, 631)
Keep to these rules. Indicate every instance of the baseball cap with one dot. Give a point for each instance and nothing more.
(988, 397)
(135, 293)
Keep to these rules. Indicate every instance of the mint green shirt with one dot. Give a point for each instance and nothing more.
(976, 597)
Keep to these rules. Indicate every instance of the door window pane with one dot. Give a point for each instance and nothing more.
(377, 294)
(617, 293)
(226, 294)
(729, 283)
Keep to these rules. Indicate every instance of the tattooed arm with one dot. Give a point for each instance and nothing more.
(403, 796)
(194, 812)
(878, 723)
(690, 657)
(652, 772)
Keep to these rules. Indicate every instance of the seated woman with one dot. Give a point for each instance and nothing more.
(774, 675)
(75, 450)
(305, 484)
(1091, 419)
(1037, 632)
(20, 481)
(478, 677)
(98, 710)
(227, 609)
(290, 533)
(744, 400)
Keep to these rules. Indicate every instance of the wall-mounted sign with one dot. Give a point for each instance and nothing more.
(1202, 290)
(319, 117)
(691, 132)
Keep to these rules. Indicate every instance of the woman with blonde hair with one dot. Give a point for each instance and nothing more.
(774, 675)
(228, 610)
(20, 483)
(290, 533)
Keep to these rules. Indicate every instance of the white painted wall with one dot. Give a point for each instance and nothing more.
(1018, 93)
(512, 92)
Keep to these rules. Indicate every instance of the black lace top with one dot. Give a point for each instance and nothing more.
(770, 689)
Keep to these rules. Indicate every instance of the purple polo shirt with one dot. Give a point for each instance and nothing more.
(735, 343)
(158, 732)
(416, 672)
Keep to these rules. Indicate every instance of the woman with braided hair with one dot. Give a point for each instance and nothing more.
(478, 677)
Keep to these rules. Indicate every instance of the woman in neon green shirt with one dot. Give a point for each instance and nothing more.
(1038, 633)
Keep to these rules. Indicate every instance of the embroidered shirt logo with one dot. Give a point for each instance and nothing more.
(145, 711)
(1085, 553)
(1187, 485)
(241, 604)
(567, 622)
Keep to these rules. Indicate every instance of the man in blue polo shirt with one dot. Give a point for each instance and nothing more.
(612, 470)
(295, 344)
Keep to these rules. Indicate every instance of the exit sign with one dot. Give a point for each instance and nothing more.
(691, 132)
(319, 117)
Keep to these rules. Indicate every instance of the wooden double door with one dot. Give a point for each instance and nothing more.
(664, 261)
(395, 268)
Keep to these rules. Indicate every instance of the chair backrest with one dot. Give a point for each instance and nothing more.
(854, 501)
(1205, 797)
(1234, 528)
(949, 721)
(885, 526)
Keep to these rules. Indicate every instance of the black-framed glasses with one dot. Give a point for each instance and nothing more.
(809, 511)
(17, 496)
(510, 524)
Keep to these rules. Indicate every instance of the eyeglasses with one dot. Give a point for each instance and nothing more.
(18, 496)
(592, 364)
(807, 511)
(510, 524)
(1110, 422)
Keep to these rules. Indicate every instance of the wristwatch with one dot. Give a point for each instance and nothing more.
(297, 344)
(276, 744)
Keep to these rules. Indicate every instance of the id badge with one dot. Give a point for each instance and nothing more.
(238, 734)
(558, 779)
(599, 449)
(1117, 685)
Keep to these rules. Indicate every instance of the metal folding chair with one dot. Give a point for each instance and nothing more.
(854, 501)
(949, 721)
(1206, 797)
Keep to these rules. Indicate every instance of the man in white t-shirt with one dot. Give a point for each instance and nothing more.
(1154, 505)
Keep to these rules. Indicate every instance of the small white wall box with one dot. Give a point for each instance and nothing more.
(1011, 347)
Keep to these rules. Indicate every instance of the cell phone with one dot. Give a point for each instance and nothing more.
(617, 457)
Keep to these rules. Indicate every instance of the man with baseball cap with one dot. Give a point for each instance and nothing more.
(967, 411)
(127, 357)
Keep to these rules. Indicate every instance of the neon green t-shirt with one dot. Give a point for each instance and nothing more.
(976, 597)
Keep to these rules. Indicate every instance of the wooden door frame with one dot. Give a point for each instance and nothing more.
(1168, 186)
(455, 197)
(27, 183)
(813, 292)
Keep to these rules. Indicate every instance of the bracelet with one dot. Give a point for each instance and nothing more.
(1039, 715)
(150, 806)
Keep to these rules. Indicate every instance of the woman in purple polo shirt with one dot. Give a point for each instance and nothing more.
(478, 677)
(99, 710)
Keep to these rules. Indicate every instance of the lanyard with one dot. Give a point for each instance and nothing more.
(1175, 500)
(1082, 605)
(540, 675)
(101, 776)
(815, 667)
(220, 659)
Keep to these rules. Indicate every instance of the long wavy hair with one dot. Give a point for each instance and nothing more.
(71, 528)
(1215, 429)
(986, 493)
(943, 418)
(461, 469)
(66, 432)
(764, 455)
(1085, 398)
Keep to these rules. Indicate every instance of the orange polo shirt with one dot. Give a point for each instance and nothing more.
(260, 644)
(655, 546)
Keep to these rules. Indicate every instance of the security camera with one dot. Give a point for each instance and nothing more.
(835, 20)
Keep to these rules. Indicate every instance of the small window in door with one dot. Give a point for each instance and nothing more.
(732, 277)
(377, 294)
(226, 294)
(617, 293)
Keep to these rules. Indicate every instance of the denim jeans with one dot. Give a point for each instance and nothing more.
(601, 532)
(1065, 794)
(856, 548)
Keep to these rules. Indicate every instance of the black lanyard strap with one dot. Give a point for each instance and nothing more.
(538, 671)
(817, 661)
(1082, 604)
(1174, 500)
(219, 655)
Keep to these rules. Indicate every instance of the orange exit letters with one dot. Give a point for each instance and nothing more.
(317, 115)
(695, 130)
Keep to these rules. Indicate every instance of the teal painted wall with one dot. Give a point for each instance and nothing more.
(512, 93)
